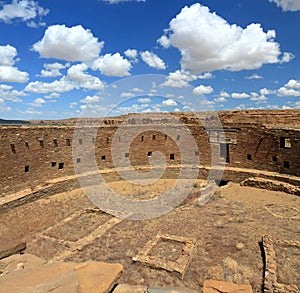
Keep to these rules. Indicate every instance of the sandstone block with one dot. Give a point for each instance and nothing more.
(9, 247)
(212, 286)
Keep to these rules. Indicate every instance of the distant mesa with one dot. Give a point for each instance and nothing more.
(13, 122)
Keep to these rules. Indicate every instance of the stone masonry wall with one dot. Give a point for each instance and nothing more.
(32, 155)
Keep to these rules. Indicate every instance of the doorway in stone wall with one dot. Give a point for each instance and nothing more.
(224, 152)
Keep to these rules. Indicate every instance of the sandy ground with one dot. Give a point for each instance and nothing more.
(228, 230)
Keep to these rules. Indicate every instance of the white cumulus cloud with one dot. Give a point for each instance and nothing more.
(223, 45)
(292, 89)
(202, 90)
(153, 60)
(179, 78)
(91, 99)
(77, 74)
(240, 95)
(287, 5)
(169, 103)
(52, 69)
(9, 73)
(131, 54)
(23, 10)
(68, 43)
(254, 76)
(112, 65)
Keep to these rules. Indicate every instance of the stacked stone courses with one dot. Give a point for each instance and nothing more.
(267, 141)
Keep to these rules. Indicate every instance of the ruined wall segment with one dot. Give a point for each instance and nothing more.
(32, 155)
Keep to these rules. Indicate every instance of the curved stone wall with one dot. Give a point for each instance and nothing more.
(32, 155)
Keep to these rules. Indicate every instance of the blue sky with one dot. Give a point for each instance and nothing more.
(60, 58)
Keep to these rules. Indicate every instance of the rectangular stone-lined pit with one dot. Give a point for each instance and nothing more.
(279, 271)
(171, 253)
(80, 226)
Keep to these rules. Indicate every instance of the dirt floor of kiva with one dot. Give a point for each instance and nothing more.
(222, 238)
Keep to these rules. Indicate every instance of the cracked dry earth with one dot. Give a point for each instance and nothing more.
(227, 230)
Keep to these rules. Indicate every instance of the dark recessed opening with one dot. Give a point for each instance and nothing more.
(149, 154)
(107, 140)
(55, 142)
(196, 153)
(103, 158)
(126, 155)
(153, 137)
(78, 160)
(142, 138)
(166, 136)
(41, 143)
(249, 157)
(221, 183)
(172, 157)
(53, 164)
(26, 169)
(274, 159)
(60, 166)
(68, 142)
(12, 147)
(26, 144)
(286, 164)
(285, 142)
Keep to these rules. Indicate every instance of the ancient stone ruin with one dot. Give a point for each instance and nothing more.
(212, 240)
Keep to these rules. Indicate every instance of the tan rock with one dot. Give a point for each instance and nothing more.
(124, 288)
(97, 277)
(59, 277)
(54, 277)
(9, 247)
(212, 286)
(14, 262)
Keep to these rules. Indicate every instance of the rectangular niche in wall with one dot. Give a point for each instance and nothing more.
(103, 158)
(13, 148)
(26, 169)
(172, 157)
(55, 143)
(61, 166)
(41, 142)
(285, 142)
(68, 142)
(53, 164)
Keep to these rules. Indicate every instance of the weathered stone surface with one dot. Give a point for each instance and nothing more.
(96, 277)
(9, 247)
(54, 277)
(124, 288)
(170, 290)
(212, 286)
(14, 262)
(89, 277)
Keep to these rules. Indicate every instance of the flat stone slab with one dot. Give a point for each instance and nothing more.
(9, 247)
(170, 290)
(20, 261)
(124, 288)
(212, 286)
(89, 277)
(96, 277)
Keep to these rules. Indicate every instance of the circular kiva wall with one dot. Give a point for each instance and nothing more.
(32, 157)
